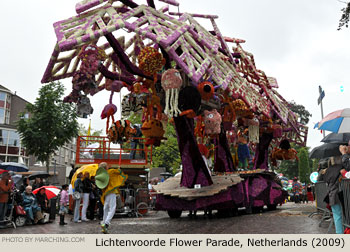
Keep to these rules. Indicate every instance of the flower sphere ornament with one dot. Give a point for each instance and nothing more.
(171, 83)
(150, 61)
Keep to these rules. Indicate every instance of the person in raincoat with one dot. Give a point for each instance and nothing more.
(30, 205)
(109, 180)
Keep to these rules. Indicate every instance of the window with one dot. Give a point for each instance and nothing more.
(12, 159)
(2, 96)
(3, 136)
(2, 115)
(7, 117)
(14, 139)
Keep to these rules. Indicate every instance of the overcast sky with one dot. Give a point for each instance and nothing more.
(295, 41)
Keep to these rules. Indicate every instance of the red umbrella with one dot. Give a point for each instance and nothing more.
(2, 171)
(50, 191)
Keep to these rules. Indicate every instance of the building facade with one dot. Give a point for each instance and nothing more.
(11, 149)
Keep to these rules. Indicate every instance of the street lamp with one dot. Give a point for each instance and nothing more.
(54, 170)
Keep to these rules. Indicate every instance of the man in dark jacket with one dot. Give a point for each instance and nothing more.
(87, 189)
(135, 141)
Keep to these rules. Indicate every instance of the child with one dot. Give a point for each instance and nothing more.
(63, 204)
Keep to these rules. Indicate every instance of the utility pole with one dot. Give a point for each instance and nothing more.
(320, 98)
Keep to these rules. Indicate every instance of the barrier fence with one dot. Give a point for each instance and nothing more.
(320, 194)
(345, 187)
(132, 202)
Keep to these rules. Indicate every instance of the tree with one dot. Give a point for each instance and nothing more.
(51, 125)
(301, 112)
(167, 155)
(303, 165)
(289, 168)
(344, 20)
(82, 131)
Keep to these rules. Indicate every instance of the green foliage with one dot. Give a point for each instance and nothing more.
(135, 118)
(314, 164)
(51, 125)
(303, 165)
(300, 110)
(289, 168)
(167, 154)
(344, 20)
(82, 131)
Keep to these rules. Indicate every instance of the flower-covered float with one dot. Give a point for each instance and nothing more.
(206, 84)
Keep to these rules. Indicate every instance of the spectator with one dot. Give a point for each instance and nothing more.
(26, 183)
(92, 199)
(71, 200)
(309, 194)
(37, 183)
(43, 202)
(331, 178)
(5, 188)
(296, 190)
(71, 174)
(87, 189)
(303, 193)
(345, 151)
(64, 199)
(78, 187)
(31, 207)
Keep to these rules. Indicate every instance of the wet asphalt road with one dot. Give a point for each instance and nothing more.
(288, 219)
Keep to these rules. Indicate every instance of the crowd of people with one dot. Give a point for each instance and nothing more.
(302, 193)
(36, 206)
(87, 191)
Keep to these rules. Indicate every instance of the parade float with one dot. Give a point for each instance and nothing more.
(178, 72)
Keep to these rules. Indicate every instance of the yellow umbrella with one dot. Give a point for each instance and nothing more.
(116, 179)
(90, 168)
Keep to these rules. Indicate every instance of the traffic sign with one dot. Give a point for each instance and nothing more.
(322, 94)
(313, 177)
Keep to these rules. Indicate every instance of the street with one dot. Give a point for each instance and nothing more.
(290, 218)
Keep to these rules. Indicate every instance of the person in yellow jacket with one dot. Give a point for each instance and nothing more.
(109, 180)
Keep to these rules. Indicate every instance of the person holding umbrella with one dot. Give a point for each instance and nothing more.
(43, 202)
(331, 177)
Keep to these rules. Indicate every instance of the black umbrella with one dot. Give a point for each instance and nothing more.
(342, 138)
(39, 175)
(16, 167)
(326, 150)
(166, 174)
